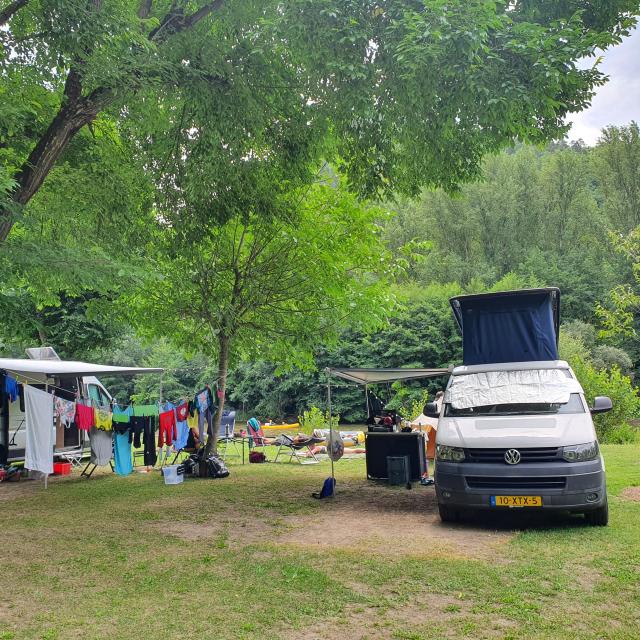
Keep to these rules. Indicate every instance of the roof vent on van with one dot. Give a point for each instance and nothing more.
(42, 353)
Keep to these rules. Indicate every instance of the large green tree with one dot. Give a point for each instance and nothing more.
(410, 93)
(261, 285)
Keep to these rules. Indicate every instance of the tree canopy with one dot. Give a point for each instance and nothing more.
(402, 94)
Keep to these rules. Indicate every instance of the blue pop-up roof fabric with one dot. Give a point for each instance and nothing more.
(517, 328)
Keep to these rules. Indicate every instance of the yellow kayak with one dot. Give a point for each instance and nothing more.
(294, 425)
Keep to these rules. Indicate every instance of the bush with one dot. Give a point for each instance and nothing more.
(315, 419)
(611, 427)
(624, 434)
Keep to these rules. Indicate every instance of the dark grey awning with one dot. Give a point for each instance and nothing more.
(373, 376)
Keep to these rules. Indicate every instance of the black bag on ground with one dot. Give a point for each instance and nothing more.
(216, 468)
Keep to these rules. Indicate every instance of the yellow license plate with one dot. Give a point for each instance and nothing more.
(516, 501)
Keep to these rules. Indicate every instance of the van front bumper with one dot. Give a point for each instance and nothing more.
(572, 486)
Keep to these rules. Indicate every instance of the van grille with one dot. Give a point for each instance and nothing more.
(502, 483)
(538, 454)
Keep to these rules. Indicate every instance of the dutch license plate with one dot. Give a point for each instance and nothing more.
(516, 501)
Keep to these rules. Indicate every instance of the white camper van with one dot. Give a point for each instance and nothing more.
(515, 430)
(66, 379)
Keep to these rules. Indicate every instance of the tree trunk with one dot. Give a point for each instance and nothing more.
(223, 367)
(7, 13)
(75, 113)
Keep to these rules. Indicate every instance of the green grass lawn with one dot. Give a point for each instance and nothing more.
(123, 558)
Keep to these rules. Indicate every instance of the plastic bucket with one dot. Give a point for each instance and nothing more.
(171, 475)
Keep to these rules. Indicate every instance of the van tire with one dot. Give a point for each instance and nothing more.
(598, 517)
(448, 513)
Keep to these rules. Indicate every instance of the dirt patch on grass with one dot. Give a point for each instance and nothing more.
(419, 618)
(218, 530)
(377, 515)
(631, 493)
(386, 520)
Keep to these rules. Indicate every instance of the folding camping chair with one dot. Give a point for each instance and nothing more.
(256, 436)
(226, 434)
(72, 455)
(296, 449)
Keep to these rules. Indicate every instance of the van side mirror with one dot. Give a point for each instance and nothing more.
(431, 410)
(601, 404)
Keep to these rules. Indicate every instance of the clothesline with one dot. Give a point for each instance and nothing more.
(110, 427)
(50, 385)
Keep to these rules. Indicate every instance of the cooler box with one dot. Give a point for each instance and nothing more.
(62, 468)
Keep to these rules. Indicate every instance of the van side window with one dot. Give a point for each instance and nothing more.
(94, 395)
(97, 396)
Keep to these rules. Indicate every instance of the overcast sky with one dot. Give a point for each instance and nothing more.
(618, 101)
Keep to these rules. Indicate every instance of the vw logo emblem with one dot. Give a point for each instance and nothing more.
(512, 456)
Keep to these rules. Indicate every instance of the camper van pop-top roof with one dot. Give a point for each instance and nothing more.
(509, 326)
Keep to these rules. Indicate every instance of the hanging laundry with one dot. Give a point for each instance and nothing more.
(11, 388)
(149, 441)
(122, 453)
(120, 415)
(202, 400)
(39, 428)
(145, 410)
(209, 415)
(84, 417)
(101, 446)
(182, 427)
(201, 417)
(167, 429)
(103, 418)
(182, 411)
(192, 421)
(137, 428)
(65, 410)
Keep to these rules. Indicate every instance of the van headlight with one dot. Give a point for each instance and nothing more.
(581, 452)
(450, 454)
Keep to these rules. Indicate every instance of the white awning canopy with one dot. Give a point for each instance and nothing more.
(374, 376)
(47, 369)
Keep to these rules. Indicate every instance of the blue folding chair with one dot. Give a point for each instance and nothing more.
(226, 434)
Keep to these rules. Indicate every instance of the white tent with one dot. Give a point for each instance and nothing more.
(423, 421)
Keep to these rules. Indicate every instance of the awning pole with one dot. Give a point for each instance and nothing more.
(333, 475)
(4, 420)
(366, 399)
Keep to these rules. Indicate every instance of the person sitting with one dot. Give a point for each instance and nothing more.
(193, 441)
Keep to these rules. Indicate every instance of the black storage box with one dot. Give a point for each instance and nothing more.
(381, 445)
(398, 469)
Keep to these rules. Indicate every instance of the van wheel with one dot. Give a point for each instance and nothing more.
(599, 517)
(448, 513)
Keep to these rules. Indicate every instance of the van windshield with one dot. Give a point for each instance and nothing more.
(538, 408)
